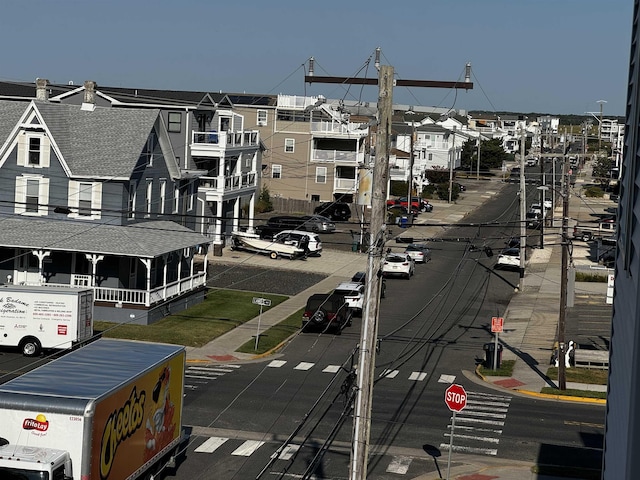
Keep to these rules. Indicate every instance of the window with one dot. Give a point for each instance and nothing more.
(33, 157)
(84, 199)
(192, 195)
(276, 171)
(430, 156)
(262, 118)
(131, 205)
(148, 198)
(163, 193)
(321, 174)
(289, 145)
(315, 198)
(32, 195)
(175, 122)
(176, 200)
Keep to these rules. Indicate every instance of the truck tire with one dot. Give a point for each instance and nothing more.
(30, 347)
(586, 237)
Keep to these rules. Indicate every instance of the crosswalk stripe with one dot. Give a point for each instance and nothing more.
(488, 396)
(479, 420)
(304, 366)
(331, 369)
(399, 465)
(204, 372)
(473, 437)
(417, 376)
(247, 448)
(199, 376)
(276, 363)
(211, 444)
(390, 373)
(489, 404)
(287, 452)
(466, 412)
(476, 429)
(447, 378)
(461, 449)
(482, 408)
(210, 369)
(230, 365)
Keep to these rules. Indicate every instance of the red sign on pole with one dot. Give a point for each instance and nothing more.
(455, 396)
(496, 324)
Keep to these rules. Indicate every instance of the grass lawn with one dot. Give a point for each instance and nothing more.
(574, 393)
(505, 370)
(275, 335)
(581, 375)
(222, 310)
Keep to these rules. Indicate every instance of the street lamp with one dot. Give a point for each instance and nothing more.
(600, 127)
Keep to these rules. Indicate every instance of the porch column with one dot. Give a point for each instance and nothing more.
(252, 204)
(236, 214)
(94, 259)
(165, 259)
(41, 255)
(191, 267)
(147, 264)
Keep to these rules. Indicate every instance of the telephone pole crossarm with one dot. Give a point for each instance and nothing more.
(397, 82)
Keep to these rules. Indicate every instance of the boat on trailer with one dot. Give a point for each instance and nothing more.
(252, 242)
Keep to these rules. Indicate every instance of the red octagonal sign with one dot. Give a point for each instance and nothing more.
(455, 396)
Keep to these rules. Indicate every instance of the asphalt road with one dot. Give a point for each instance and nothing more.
(431, 329)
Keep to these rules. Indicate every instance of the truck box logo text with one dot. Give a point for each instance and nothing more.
(120, 425)
(39, 423)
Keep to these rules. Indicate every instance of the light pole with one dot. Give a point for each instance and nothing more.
(478, 161)
(451, 160)
(411, 160)
(600, 126)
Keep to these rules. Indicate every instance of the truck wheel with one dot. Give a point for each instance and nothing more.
(586, 237)
(30, 347)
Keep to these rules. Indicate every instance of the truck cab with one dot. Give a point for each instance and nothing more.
(34, 463)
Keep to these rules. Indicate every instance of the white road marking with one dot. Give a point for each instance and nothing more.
(211, 369)
(390, 373)
(304, 366)
(479, 420)
(199, 376)
(488, 396)
(488, 404)
(211, 445)
(473, 437)
(287, 452)
(247, 448)
(447, 379)
(331, 369)
(417, 376)
(476, 429)
(480, 414)
(480, 408)
(276, 363)
(456, 448)
(399, 465)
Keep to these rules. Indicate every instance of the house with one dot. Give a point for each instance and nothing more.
(208, 139)
(94, 196)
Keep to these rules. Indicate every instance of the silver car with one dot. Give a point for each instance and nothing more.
(318, 223)
(419, 252)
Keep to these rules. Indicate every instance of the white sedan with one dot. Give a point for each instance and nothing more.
(509, 258)
(398, 264)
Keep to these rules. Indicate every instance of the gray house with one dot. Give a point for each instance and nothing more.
(94, 196)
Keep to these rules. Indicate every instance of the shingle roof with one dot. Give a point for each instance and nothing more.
(105, 142)
(10, 113)
(146, 240)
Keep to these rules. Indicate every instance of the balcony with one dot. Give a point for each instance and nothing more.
(230, 183)
(335, 128)
(216, 143)
(337, 156)
(344, 185)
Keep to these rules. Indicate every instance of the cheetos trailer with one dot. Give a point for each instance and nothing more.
(109, 410)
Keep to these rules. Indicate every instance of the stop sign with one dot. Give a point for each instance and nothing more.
(455, 397)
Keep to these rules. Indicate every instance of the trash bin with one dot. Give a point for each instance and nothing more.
(406, 221)
(355, 246)
(489, 349)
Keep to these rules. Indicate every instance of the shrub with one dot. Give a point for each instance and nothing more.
(264, 203)
(593, 192)
(590, 277)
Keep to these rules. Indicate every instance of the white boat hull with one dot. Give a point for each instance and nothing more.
(253, 243)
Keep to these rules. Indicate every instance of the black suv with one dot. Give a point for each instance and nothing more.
(276, 225)
(326, 312)
(336, 211)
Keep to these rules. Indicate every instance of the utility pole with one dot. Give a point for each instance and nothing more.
(523, 210)
(410, 176)
(478, 161)
(600, 127)
(562, 383)
(452, 159)
(543, 210)
(369, 331)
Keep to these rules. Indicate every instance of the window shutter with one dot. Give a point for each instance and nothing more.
(43, 201)
(45, 154)
(21, 195)
(22, 149)
(96, 201)
(73, 194)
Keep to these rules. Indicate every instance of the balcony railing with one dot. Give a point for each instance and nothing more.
(249, 138)
(335, 156)
(336, 127)
(344, 185)
(232, 182)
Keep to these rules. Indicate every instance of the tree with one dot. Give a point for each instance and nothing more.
(264, 203)
(492, 154)
(602, 170)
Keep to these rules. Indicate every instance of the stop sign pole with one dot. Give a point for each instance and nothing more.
(455, 397)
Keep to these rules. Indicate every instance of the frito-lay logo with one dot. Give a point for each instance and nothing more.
(39, 423)
(121, 424)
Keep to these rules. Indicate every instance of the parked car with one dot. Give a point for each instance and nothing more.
(336, 211)
(353, 293)
(361, 277)
(419, 252)
(398, 264)
(326, 312)
(301, 239)
(277, 224)
(509, 259)
(460, 186)
(319, 223)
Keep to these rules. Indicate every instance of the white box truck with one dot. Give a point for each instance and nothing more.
(36, 318)
(109, 410)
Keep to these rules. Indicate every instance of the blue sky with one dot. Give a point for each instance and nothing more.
(545, 56)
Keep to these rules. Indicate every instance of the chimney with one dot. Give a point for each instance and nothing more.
(42, 93)
(89, 101)
(90, 91)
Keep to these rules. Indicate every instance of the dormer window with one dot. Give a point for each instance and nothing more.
(33, 150)
(33, 156)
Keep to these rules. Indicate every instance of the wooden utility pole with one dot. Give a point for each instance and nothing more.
(523, 209)
(562, 383)
(377, 232)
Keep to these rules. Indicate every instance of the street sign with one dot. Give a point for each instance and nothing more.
(496, 324)
(455, 396)
(265, 302)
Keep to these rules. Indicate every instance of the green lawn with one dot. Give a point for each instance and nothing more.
(222, 310)
(275, 335)
(581, 375)
(505, 370)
